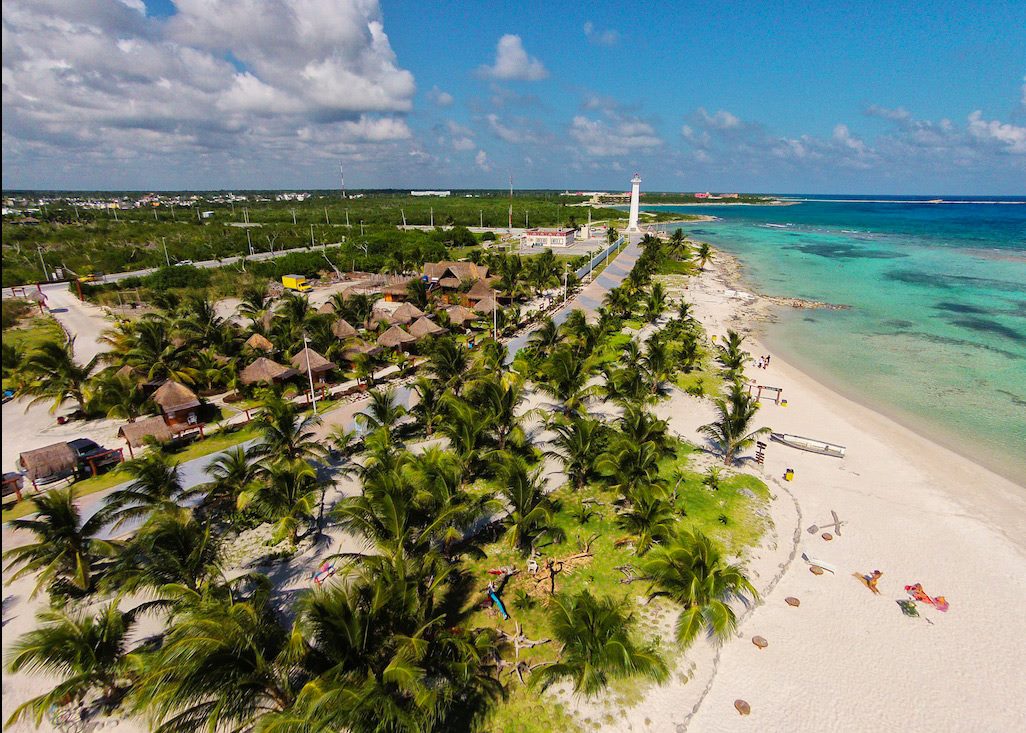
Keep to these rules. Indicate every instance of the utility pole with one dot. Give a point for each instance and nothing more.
(311, 236)
(167, 259)
(482, 219)
(198, 217)
(347, 218)
(511, 204)
(115, 210)
(232, 202)
(566, 269)
(326, 219)
(403, 213)
(293, 217)
(155, 214)
(46, 275)
(342, 178)
(432, 216)
(173, 217)
(249, 239)
(309, 373)
(361, 227)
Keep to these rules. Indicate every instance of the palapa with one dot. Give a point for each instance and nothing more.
(126, 372)
(259, 343)
(480, 291)
(310, 359)
(424, 327)
(486, 305)
(395, 337)
(327, 309)
(359, 348)
(380, 316)
(343, 329)
(135, 433)
(50, 460)
(172, 397)
(407, 313)
(265, 370)
(460, 315)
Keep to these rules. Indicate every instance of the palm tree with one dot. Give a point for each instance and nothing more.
(611, 234)
(383, 412)
(287, 497)
(731, 431)
(117, 396)
(597, 644)
(544, 338)
(418, 292)
(649, 520)
(156, 354)
(287, 434)
(731, 355)
(565, 376)
(171, 549)
(428, 408)
(705, 254)
(233, 472)
(156, 484)
(499, 399)
(577, 445)
(692, 572)
(86, 652)
(222, 665)
(66, 550)
(657, 363)
(254, 305)
(530, 511)
(53, 374)
(448, 365)
(655, 303)
(631, 467)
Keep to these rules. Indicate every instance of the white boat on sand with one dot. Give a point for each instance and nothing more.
(810, 444)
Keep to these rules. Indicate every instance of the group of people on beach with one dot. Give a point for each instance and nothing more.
(762, 362)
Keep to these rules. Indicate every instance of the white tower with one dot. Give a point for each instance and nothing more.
(632, 223)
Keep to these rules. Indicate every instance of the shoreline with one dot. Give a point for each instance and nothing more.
(912, 508)
(767, 310)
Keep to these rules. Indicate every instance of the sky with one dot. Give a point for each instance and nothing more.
(885, 98)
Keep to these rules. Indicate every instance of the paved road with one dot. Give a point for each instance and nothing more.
(590, 297)
(82, 320)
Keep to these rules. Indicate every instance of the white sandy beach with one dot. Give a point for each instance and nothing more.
(847, 659)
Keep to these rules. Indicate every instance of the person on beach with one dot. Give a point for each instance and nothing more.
(871, 580)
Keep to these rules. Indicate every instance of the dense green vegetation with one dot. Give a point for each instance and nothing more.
(407, 635)
(108, 240)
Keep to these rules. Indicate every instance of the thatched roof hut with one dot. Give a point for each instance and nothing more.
(460, 315)
(343, 330)
(126, 372)
(327, 309)
(50, 460)
(265, 370)
(458, 271)
(135, 433)
(173, 397)
(486, 305)
(380, 316)
(398, 290)
(424, 327)
(359, 347)
(259, 342)
(480, 291)
(308, 358)
(407, 313)
(395, 337)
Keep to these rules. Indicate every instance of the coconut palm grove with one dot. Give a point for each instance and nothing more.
(509, 528)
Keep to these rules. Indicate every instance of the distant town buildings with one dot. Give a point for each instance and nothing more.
(441, 194)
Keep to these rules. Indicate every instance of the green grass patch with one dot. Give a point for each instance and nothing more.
(668, 266)
(527, 711)
(35, 332)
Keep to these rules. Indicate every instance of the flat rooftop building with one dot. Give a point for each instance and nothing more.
(548, 237)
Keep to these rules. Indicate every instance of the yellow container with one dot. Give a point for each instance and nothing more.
(789, 474)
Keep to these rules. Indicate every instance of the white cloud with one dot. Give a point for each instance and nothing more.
(506, 133)
(513, 62)
(604, 139)
(439, 97)
(481, 161)
(1011, 138)
(600, 38)
(85, 83)
(721, 120)
(898, 114)
(462, 138)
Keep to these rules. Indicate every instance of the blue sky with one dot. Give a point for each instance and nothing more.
(866, 98)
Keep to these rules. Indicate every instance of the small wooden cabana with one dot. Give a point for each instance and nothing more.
(136, 433)
(51, 460)
(177, 403)
(396, 338)
(343, 329)
(318, 366)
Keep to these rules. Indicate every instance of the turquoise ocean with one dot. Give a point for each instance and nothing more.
(935, 335)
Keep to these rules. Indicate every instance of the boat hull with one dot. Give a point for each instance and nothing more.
(810, 445)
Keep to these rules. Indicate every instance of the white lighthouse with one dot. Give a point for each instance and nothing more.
(632, 224)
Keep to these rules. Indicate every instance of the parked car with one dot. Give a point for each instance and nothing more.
(184, 262)
(84, 449)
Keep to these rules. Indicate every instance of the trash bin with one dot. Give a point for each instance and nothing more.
(789, 474)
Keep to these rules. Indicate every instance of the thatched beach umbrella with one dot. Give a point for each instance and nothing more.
(257, 342)
(480, 291)
(395, 337)
(308, 359)
(486, 305)
(407, 313)
(126, 372)
(460, 316)
(424, 327)
(173, 397)
(327, 309)
(265, 370)
(379, 316)
(50, 460)
(358, 348)
(136, 433)
(343, 330)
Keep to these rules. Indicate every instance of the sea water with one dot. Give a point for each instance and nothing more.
(935, 332)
